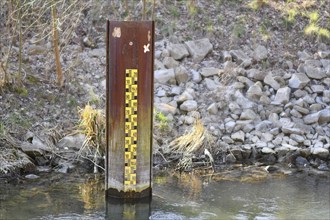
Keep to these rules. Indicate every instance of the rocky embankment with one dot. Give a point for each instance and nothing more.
(255, 111)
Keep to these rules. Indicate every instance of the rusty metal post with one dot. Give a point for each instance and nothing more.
(130, 60)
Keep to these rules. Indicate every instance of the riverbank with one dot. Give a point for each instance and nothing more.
(255, 91)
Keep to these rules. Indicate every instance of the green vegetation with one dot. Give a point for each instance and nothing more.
(161, 121)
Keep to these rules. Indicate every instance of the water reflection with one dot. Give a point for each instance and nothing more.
(175, 196)
(124, 209)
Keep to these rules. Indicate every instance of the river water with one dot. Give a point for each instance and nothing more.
(175, 196)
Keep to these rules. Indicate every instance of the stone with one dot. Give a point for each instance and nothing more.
(298, 81)
(245, 80)
(248, 114)
(36, 50)
(178, 51)
(312, 118)
(324, 116)
(165, 108)
(256, 74)
(240, 57)
(72, 142)
(230, 126)
(31, 177)
(210, 84)
(314, 73)
(320, 152)
(264, 126)
(209, 71)
(176, 90)
(186, 95)
(238, 136)
(267, 150)
(189, 120)
(298, 138)
(283, 95)
(242, 101)
(288, 130)
(254, 92)
(165, 76)
(181, 75)
(301, 162)
(189, 105)
(317, 88)
(326, 96)
(260, 53)
(269, 80)
(198, 49)
(237, 152)
(267, 137)
(213, 109)
(230, 158)
(169, 62)
(300, 109)
(304, 55)
(98, 52)
(227, 140)
(196, 76)
(158, 65)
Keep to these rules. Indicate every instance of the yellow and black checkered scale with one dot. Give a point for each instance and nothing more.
(131, 108)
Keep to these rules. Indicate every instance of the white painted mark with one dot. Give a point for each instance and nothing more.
(149, 36)
(131, 43)
(146, 48)
(116, 32)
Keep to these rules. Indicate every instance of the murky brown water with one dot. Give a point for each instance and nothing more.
(175, 196)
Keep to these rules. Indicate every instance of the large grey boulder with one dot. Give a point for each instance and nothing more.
(72, 142)
(178, 51)
(298, 81)
(238, 136)
(314, 72)
(198, 49)
(320, 152)
(165, 76)
(324, 116)
(254, 92)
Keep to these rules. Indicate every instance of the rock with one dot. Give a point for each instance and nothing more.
(237, 152)
(165, 76)
(196, 76)
(267, 150)
(317, 88)
(210, 84)
(176, 90)
(269, 80)
(298, 138)
(31, 177)
(165, 108)
(312, 118)
(288, 130)
(178, 51)
(213, 109)
(314, 73)
(264, 126)
(301, 162)
(320, 152)
(254, 92)
(248, 114)
(181, 74)
(238, 136)
(240, 57)
(298, 81)
(169, 62)
(255, 74)
(304, 55)
(158, 65)
(198, 49)
(324, 116)
(245, 81)
(226, 56)
(260, 53)
(242, 101)
(323, 167)
(72, 142)
(189, 120)
(99, 53)
(36, 50)
(283, 95)
(230, 158)
(230, 126)
(209, 71)
(189, 105)
(301, 109)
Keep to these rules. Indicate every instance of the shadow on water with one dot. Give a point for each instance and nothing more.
(175, 196)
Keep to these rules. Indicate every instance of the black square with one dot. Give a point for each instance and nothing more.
(126, 164)
(134, 156)
(134, 142)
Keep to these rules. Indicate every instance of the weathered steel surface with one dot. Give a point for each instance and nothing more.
(130, 50)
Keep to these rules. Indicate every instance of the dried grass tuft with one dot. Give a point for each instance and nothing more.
(195, 141)
(92, 124)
